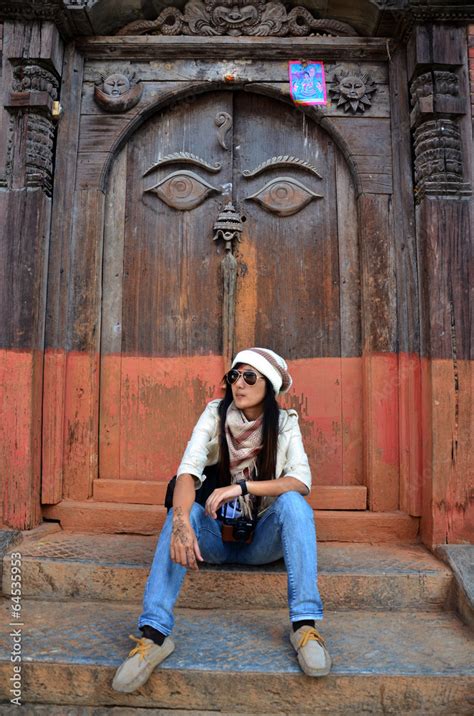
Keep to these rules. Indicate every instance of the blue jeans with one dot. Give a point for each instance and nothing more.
(286, 529)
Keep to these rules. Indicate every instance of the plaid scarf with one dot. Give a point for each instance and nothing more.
(244, 441)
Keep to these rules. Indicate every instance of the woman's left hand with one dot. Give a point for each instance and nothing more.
(220, 496)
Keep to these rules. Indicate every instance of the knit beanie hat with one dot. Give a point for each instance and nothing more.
(269, 364)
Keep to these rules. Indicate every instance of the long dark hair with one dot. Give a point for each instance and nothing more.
(266, 460)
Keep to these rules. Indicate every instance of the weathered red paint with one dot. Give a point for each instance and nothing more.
(327, 393)
(53, 426)
(380, 401)
(20, 436)
(148, 410)
(148, 492)
(435, 433)
(448, 471)
(81, 421)
(149, 407)
(411, 435)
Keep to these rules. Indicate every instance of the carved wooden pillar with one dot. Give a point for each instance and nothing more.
(442, 148)
(32, 65)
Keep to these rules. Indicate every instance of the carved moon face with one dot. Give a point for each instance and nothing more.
(116, 85)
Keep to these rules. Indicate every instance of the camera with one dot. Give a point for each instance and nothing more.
(235, 526)
(237, 529)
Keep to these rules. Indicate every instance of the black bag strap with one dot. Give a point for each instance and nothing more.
(209, 485)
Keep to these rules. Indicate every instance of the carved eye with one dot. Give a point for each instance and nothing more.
(183, 190)
(284, 196)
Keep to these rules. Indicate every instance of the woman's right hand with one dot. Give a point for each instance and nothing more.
(184, 547)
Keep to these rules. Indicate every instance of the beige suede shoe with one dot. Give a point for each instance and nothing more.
(137, 668)
(313, 656)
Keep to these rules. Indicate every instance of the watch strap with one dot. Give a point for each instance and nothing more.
(243, 486)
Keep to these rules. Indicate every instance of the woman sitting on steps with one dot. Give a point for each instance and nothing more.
(252, 518)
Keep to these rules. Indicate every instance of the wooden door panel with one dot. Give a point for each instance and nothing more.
(162, 318)
(298, 289)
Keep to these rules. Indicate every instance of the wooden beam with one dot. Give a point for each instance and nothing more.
(408, 321)
(151, 47)
(445, 249)
(444, 235)
(59, 272)
(379, 352)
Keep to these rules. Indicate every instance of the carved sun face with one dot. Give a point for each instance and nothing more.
(352, 92)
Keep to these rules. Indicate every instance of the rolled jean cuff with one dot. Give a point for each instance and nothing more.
(304, 617)
(155, 625)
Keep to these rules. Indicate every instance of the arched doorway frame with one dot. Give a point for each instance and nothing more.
(72, 464)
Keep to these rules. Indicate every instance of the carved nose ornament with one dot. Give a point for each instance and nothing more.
(228, 227)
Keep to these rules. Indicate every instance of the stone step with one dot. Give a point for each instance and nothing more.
(398, 662)
(115, 567)
(55, 710)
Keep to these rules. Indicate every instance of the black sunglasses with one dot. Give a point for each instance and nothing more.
(249, 376)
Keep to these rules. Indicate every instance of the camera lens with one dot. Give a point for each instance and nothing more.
(241, 533)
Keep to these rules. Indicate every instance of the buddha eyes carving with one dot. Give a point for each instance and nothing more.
(283, 196)
(183, 190)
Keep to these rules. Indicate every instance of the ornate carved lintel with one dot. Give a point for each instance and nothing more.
(232, 17)
(237, 18)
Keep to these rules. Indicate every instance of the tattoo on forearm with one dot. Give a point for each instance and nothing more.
(180, 531)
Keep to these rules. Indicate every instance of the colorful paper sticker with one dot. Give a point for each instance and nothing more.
(307, 83)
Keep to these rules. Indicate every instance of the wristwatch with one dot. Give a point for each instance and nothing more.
(243, 486)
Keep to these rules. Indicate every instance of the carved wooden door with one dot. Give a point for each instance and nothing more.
(297, 286)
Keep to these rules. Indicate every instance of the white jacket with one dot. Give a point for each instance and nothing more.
(203, 448)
